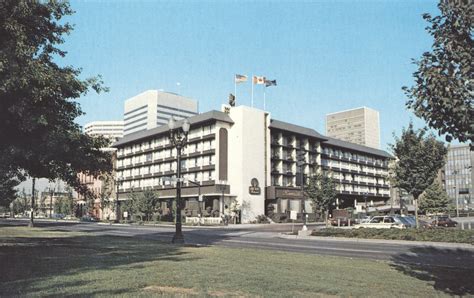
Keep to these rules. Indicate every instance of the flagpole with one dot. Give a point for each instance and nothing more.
(252, 92)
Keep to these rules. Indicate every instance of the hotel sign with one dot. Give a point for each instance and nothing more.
(254, 189)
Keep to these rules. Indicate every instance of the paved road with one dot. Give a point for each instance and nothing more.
(267, 237)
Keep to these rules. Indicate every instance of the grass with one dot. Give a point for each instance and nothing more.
(437, 234)
(40, 262)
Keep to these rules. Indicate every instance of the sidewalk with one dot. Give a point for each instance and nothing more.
(381, 241)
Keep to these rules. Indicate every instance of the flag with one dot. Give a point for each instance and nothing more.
(258, 80)
(269, 83)
(240, 78)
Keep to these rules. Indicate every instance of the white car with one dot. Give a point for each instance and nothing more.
(384, 222)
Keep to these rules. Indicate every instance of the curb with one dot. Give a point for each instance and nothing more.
(380, 241)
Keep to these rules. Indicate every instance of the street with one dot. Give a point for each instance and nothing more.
(268, 237)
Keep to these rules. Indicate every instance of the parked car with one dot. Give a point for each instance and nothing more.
(421, 223)
(444, 221)
(343, 221)
(57, 216)
(88, 218)
(385, 222)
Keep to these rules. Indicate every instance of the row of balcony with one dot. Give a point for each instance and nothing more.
(170, 172)
(158, 187)
(360, 193)
(166, 146)
(355, 160)
(343, 170)
(167, 159)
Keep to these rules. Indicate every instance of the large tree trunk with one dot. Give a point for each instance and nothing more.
(326, 216)
(32, 215)
(415, 200)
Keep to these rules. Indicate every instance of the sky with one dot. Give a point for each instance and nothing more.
(326, 56)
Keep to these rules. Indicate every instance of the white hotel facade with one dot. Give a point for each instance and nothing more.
(243, 156)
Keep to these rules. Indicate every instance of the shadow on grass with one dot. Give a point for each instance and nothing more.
(27, 263)
(450, 270)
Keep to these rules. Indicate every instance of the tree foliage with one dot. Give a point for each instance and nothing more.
(444, 82)
(419, 157)
(38, 98)
(321, 190)
(434, 199)
(147, 203)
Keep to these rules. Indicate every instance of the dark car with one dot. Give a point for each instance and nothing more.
(89, 218)
(445, 221)
(343, 221)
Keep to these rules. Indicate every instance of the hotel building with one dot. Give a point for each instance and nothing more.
(359, 126)
(242, 156)
(154, 108)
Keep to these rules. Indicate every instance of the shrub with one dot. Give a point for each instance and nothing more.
(436, 234)
(262, 219)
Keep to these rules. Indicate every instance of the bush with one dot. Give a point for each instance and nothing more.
(262, 219)
(437, 234)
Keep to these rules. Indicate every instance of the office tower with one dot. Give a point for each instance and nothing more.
(359, 126)
(154, 108)
(112, 130)
(458, 176)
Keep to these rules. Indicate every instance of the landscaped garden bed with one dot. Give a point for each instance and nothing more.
(438, 234)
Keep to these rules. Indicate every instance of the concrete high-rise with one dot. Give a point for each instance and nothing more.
(458, 176)
(154, 108)
(359, 126)
(112, 130)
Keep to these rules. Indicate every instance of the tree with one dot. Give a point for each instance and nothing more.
(8, 192)
(105, 191)
(444, 82)
(146, 203)
(38, 98)
(434, 199)
(419, 158)
(321, 190)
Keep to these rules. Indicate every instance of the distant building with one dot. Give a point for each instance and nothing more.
(457, 176)
(154, 108)
(112, 130)
(359, 126)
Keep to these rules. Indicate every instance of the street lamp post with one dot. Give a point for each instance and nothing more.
(301, 161)
(51, 192)
(457, 200)
(366, 208)
(178, 138)
(455, 172)
(117, 205)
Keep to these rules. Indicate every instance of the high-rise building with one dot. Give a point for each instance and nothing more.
(110, 129)
(458, 175)
(359, 126)
(154, 108)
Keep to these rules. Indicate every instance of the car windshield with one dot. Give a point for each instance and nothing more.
(404, 221)
(376, 219)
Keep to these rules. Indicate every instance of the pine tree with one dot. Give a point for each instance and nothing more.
(434, 199)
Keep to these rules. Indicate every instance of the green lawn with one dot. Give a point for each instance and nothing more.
(38, 262)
